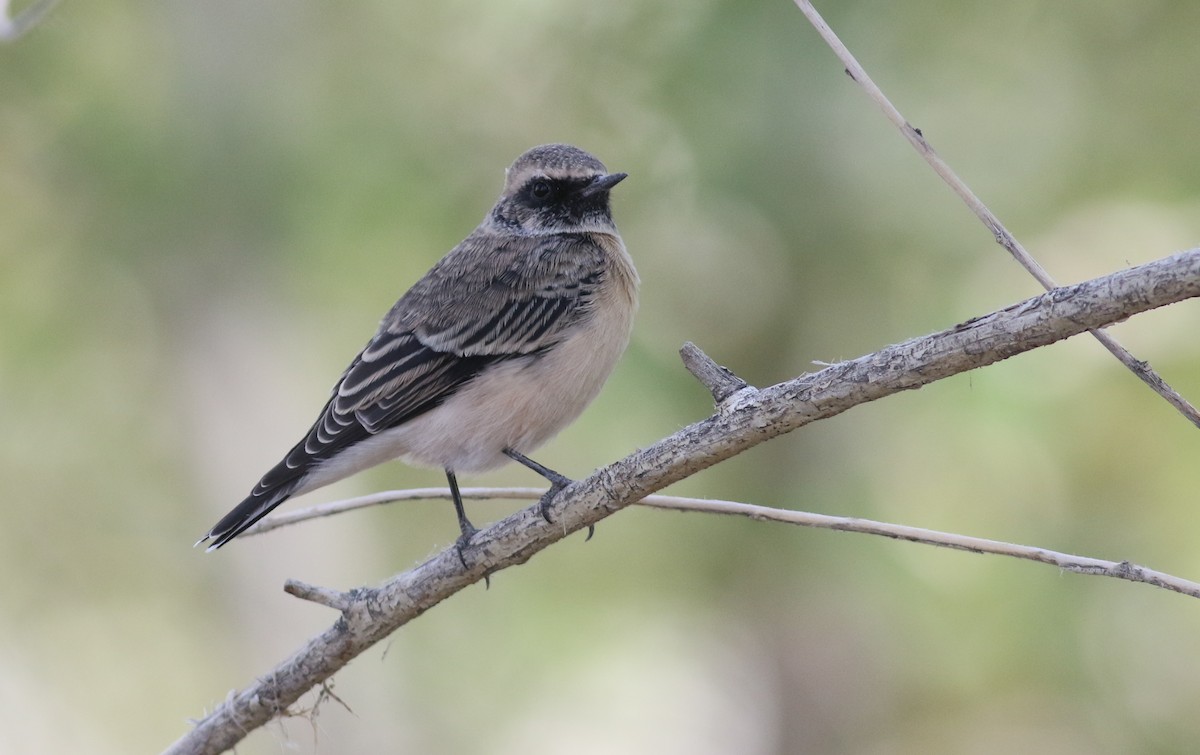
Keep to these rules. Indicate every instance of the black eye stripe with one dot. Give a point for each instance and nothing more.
(543, 188)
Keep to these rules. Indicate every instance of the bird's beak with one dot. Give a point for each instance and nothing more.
(603, 183)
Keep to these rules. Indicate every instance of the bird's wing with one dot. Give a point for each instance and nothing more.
(503, 297)
(395, 378)
(485, 302)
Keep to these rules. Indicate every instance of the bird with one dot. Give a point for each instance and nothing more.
(498, 347)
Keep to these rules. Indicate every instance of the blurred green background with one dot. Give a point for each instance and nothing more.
(206, 207)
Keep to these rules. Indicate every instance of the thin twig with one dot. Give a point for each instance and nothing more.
(1078, 564)
(1002, 235)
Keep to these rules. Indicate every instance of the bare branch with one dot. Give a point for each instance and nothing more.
(375, 613)
(1078, 564)
(720, 381)
(1003, 237)
(335, 599)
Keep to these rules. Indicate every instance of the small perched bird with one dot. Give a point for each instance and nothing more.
(497, 348)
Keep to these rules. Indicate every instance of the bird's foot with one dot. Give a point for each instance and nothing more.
(464, 540)
(557, 483)
(460, 547)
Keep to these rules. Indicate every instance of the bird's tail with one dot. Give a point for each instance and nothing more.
(258, 504)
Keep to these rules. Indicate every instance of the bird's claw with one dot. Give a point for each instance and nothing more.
(461, 545)
(547, 499)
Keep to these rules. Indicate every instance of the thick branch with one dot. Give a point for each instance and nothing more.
(375, 613)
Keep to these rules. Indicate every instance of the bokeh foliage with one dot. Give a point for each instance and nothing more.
(206, 207)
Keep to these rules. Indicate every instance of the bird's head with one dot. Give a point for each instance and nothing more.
(555, 188)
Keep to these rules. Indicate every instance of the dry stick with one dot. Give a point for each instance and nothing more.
(1003, 237)
(747, 418)
(1078, 564)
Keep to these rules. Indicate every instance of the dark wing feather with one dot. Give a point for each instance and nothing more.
(504, 300)
(395, 379)
(513, 298)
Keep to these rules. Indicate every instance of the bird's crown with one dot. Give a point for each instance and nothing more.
(560, 161)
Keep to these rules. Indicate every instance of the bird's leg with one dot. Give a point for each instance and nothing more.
(464, 524)
(557, 483)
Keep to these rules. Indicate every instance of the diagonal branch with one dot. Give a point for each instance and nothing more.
(1003, 237)
(752, 417)
(1078, 564)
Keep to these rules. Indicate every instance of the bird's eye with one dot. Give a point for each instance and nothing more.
(540, 189)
